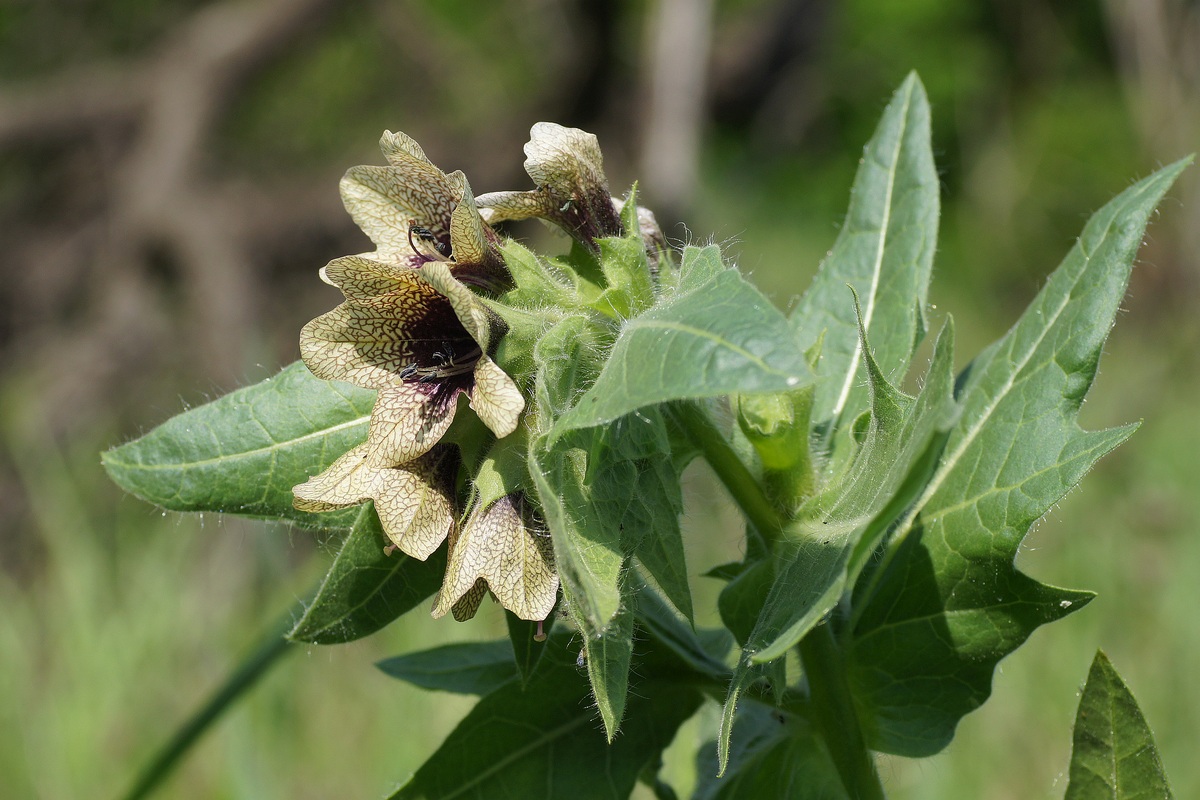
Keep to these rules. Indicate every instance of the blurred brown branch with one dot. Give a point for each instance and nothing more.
(136, 134)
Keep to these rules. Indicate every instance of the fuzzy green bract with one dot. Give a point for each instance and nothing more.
(882, 526)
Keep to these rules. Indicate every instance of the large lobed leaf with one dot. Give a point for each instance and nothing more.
(243, 453)
(1113, 756)
(885, 253)
(946, 602)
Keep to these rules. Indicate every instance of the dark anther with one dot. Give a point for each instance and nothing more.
(426, 236)
(445, 356)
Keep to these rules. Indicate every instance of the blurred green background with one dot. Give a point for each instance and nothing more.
(168, 174)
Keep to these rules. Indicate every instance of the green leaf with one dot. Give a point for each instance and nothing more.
(745, 675)
(630, 289)
(567, 361)
(537, 283)
(776, 754)
(676, 644)
(716, 335)
(885, 252)
(603, 493)
(741, 601)
(813, 560)
(243, 453)
(527, 646)
(1113, 756)
(945, 603)
(543, 742)
(365, 589)
(608, 657)
(587, 546)
(660, 548)
(463, 668)
(643, 492)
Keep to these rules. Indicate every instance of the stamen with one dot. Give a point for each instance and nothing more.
(427, 245)
(445, 356)
(446, 364)
(540, 636)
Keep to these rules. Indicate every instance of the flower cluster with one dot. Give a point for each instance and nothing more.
(415, 326)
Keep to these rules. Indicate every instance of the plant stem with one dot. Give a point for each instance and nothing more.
(830, 701)
(268, 653)
(833, 712)
(742, 486)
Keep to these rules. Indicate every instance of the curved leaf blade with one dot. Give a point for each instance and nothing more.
(543, 741)
(365, 589)
(885, 253)
(775, 754)
(462, 668)
(587, 546)
(608, 657)
(605, 492)
(242, 453)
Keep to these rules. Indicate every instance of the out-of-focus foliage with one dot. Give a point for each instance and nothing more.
(164, 207)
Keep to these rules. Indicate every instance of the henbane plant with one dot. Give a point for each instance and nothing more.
(477, 420)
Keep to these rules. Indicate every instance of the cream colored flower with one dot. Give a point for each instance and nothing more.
(504, 549)
(415, 214)
(572, 191)
(421, 338)
(415, 502)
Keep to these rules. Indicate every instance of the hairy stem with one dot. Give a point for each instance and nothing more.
(742, 486)
(831, 704)
(833, 711)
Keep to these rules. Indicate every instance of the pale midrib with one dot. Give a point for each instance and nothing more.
(248, 453)
(952, 460)
(947, 467)
(396, 565)
(995, 490)
(877, 269)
